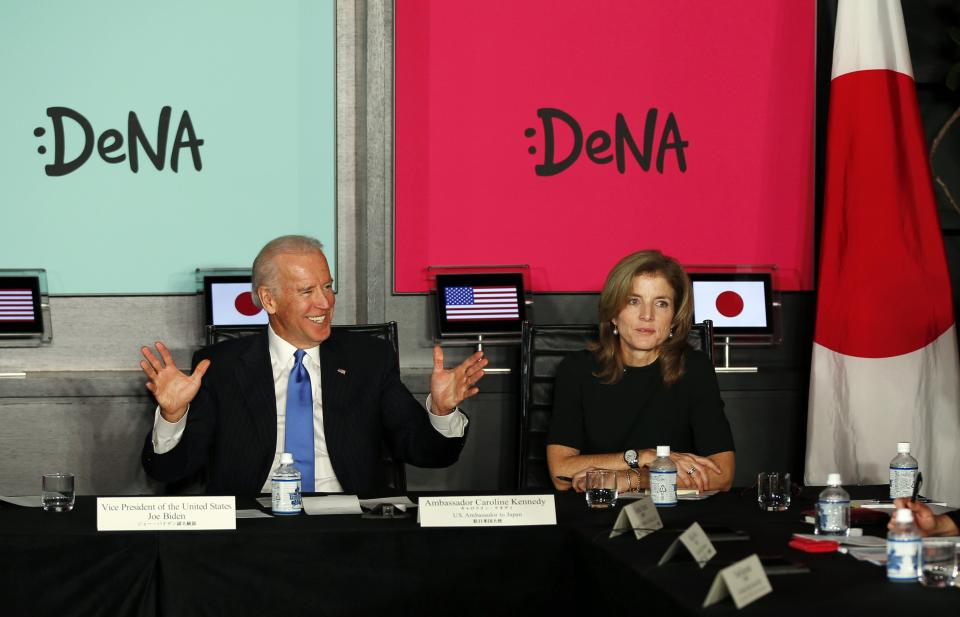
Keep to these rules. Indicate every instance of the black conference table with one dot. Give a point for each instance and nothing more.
(58, 564)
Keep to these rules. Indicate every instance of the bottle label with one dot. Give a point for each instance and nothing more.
(286, 496)
(901, 481)
(903, 559)
(663, 487)
(832, 516)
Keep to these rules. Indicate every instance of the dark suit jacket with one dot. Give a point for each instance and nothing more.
(231, 429)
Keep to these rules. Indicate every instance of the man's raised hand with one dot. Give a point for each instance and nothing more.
(448, 387)
(172, 389)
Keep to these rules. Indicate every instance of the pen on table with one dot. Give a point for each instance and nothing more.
(916, 487)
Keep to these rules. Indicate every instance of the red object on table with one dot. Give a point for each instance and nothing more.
(813, 546)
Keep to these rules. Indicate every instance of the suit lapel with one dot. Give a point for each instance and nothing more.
(334, 374)
(255, 379)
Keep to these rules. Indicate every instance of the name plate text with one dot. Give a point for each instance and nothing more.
(192, 512)
(487, 511)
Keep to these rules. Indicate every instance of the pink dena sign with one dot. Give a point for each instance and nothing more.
(565, 134)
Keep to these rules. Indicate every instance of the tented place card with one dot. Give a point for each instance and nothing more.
(641, 517)
(745, 581)
(172, 513)
(487, 511)
(696, 542)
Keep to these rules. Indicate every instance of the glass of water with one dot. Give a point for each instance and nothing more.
(57, 492)
(601, 488)
(773, 491)
(939, 565)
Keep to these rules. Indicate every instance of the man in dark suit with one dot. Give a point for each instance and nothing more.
(230, 416)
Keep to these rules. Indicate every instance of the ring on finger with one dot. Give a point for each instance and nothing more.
(692, 470)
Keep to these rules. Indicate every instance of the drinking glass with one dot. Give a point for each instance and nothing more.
(939, 564)
(601, 488)
(57, 492)
(773, 491)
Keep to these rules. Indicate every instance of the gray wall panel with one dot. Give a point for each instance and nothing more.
(95, 438)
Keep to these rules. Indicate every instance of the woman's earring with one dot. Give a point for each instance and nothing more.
(671, 333)
(615, 331)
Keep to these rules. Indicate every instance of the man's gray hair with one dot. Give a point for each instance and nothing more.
(265, 271)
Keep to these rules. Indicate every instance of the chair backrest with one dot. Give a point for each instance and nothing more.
(701, 337)
(393, 472)
(216, 334)
(542, 350)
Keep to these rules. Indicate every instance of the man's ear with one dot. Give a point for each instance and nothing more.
(267, 301)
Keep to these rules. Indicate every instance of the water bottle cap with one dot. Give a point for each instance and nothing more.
(663, 450)
(833, 479)
(903, 515)
(903, 447)
(286, 459)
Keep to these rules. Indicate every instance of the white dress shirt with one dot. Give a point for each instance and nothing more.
(166, 435)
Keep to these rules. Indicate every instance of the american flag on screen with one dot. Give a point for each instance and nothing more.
(16, 305)
(481, 303)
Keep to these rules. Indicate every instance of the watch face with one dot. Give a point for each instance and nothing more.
(630, 457)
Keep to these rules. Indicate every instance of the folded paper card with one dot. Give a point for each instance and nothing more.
(745, 581)
(696, 541)
(641, 517)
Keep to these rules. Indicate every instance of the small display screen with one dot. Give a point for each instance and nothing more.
(481, 303)
(20, 306)
(229, 302)
(738, 303)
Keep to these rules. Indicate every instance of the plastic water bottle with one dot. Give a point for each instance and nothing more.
(833, 509)
(903, 549)
(286, 487)
(663, 479)
(903, 472)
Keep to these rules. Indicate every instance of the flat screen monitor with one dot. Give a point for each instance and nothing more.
(229, 302)
(479, 304)
(739, 303)
(20, 314)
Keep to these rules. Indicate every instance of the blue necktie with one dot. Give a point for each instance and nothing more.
(299, 421)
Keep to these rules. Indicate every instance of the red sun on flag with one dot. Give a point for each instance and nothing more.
(729, 304)
(244, 304)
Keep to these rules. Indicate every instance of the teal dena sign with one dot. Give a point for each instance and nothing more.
(140, 141)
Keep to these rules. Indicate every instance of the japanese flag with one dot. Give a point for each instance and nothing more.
(730, 304)
(885, 367)
(233, 305)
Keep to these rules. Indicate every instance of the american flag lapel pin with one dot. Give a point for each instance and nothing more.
(342, 371)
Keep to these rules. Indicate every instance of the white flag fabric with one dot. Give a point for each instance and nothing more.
(885, 366)
(232, 305)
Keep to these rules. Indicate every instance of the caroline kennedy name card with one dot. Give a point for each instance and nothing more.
(487, 511)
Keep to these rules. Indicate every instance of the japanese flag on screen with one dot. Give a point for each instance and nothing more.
(730, 304)
(233, 305)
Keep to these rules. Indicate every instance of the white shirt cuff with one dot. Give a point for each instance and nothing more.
(166, 435)
(454, 424)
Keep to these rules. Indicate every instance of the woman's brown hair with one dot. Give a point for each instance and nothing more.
(613, 298)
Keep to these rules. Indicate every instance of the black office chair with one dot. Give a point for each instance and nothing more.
(216, 334)
(542, 348)
(394, 473)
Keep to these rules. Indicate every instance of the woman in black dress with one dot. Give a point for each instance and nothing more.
(641, 385)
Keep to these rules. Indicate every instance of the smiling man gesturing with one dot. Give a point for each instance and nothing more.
(333, 399)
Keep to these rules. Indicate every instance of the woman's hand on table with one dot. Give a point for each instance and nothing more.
(692, 470)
